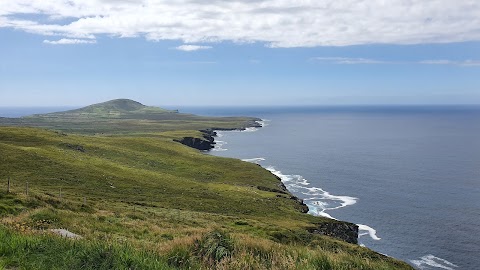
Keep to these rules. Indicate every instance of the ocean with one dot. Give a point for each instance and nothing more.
(408, 176)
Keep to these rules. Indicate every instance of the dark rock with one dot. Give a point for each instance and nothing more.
(197, 143)
(209, 133)
(271, 190)
(344, 231)
(300, 204)
(75, 147)
(281, 185)
(207, 141)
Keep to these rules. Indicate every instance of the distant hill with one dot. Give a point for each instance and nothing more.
(117, 108)
(116, 105)
(125, 116)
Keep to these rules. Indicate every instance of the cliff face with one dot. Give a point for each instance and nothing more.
(207, 141)
(345, 231)
(196, 143)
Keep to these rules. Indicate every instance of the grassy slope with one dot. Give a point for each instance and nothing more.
(154, 195)
(149, 201)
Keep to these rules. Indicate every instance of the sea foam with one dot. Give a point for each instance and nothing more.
(254, 160)
(428, 261)
(320, 201)
(262, 123)
(370, 231)
(219, 144)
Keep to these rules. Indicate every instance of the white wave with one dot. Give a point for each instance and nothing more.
(219, 149)
(320, 201)
(254, 160)
(428, 261)
(370, 231)
(219, 146)
(250, 129)
(264, 122)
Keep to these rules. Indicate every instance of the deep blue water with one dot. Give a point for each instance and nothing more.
(410, 173)
(24, 111)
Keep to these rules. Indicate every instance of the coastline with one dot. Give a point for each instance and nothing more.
(312, 205)
(342, 230)
(207, 141)
(419, 260)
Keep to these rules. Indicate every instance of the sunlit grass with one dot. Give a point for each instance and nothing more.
(147, 203)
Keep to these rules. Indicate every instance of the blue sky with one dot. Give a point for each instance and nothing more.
(78, 54)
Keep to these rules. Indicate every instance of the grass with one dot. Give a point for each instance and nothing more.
(154, 195)
(19, 251)
(142, 201)
(212, 250)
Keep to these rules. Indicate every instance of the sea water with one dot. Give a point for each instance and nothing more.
(408, 176)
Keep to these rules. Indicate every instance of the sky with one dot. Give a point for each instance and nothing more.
(239, 52)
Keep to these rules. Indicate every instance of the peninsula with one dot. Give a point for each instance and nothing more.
(121, 185)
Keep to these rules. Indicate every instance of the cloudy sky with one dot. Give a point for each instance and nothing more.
(239, 52)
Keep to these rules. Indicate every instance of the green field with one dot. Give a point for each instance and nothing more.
(142, 201)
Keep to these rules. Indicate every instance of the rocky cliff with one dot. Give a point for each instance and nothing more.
(345, 231)
(206, 142)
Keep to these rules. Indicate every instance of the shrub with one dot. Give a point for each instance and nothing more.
(214, 246)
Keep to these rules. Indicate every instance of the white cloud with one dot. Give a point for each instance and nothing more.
(366, 61)
(348, 61)
(191, 48)
(277, 23)
(68, 41)
(465, 63)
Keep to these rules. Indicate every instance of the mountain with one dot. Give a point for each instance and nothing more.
(117, 108)
(116, 105)
(125, 116)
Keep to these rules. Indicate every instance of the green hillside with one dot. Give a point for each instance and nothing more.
(124, 116)
(147, 202)
(117, 105)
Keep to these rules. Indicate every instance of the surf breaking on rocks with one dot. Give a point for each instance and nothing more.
(318, 200)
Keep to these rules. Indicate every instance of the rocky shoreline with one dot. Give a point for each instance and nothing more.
(341, 230)
(207, 141)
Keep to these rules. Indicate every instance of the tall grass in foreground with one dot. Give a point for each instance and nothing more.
(49, 252)
(213, 250)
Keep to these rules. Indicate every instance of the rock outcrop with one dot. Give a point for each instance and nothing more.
(345, 231)
(75, 147)
(197, 143)
(207, 141)
(301, 206)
